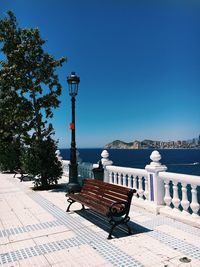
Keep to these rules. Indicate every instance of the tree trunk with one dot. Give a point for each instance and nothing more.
(44, 180)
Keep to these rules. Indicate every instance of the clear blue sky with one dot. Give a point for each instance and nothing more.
(138, 61)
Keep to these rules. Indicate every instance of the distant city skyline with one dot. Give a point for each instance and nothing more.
(138, 62)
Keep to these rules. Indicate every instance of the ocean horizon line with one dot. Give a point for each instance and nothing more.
(133, 148)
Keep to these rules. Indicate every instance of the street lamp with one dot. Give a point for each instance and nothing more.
(73, 185)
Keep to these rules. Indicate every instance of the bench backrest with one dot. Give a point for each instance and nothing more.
(106, 193)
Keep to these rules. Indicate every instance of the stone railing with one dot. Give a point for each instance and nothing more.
(172, 194)
(181, 192)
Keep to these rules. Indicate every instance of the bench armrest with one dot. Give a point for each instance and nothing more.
(118, 208)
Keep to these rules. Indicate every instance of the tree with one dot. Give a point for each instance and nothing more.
(32, 74)
(13, 123)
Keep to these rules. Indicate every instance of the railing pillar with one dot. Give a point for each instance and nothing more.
(156, 185)
(106, 162)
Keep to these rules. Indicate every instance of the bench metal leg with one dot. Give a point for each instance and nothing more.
(111, 230)
(129, 229)
(127, 219)
(116, 223)
(71, 201)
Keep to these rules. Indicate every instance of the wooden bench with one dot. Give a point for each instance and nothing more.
(110, 200)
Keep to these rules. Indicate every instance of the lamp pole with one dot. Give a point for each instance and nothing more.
(73, 185)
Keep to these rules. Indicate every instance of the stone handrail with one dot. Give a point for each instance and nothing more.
(84, 169)
(179, 177)
(181, 192)
(129, 177)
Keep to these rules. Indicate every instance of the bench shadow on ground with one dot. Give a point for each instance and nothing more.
(103, 223)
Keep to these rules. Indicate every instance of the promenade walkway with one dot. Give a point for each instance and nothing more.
(35, 230)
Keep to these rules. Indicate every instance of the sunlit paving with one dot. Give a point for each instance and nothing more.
(36, 230)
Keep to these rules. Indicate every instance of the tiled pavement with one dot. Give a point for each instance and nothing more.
(35, 230)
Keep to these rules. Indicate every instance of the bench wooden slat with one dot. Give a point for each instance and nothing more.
(103, 185)
(108, 193)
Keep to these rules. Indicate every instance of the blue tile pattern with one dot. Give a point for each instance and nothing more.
(171, 241)
(37, 250)
(28, 228)
(160, 220)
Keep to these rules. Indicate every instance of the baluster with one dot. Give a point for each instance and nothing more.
(120, 178)
(110, 177)
(124, 179)
(67, 170)
(140, 189)
(146, 189)
(176, 201)
(194, 204)
(184, 202)
(129, 181)
(167, 197)
(90, 172)
(115, 178)
(135, 184)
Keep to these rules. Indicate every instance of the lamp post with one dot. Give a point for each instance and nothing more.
(73, 185)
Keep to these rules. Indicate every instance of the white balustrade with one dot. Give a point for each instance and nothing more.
(114, 178)
(176, 201)
(134, 182)
(110, 178)
(65, 166)
(146, 191)
(167, 197)
(129, 180)
(156, 185)
(85, 170)
(184, 202)
(124, 180)
(179, 196)
(129, 177)
(194, 204)
(140, 189)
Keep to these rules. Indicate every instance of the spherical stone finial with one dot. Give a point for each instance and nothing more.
(58, 152)
(58, 155)
(105, 154)
(105, 158)
(155, 157)
(155, 165)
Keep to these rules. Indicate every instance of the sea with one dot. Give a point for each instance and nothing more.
(186, 161)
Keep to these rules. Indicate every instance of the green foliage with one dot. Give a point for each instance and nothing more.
(41, 161)
(29, 92)
(10, 152)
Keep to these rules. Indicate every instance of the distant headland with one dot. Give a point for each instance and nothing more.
(150, 144)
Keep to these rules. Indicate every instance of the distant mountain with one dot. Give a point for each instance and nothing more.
(117, 144)
(146, 144)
